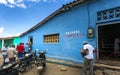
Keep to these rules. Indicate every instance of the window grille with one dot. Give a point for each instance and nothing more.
(53, 38)
(108, 14)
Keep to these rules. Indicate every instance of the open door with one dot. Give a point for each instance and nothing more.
(30, 41)
(106, 38)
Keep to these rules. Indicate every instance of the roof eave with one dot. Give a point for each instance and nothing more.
(63, 8)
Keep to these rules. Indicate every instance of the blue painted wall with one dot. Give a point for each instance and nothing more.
(73, 21)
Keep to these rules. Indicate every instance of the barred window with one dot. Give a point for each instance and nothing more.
(53, 38)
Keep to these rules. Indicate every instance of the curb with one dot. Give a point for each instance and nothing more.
(71, 64)
(63, 62)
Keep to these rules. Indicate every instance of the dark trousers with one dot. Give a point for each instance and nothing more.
(11, 59)
(20, 54)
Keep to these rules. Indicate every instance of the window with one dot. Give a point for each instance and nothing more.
(53, 38)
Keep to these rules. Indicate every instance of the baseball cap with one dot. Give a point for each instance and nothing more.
(84, 42)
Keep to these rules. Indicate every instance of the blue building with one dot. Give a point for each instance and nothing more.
(63, 32)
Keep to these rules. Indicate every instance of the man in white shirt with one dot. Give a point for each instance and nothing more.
(4, 52)
(88, 58)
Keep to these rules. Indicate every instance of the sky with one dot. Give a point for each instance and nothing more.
(18, 16)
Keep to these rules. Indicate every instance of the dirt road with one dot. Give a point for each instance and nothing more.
(52, 69)
(55, 69)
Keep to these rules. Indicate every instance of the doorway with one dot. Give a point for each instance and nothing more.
(30, 40)
(106, 38)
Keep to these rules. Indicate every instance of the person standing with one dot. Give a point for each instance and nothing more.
(26, 48)
(11, 52)
(4, 52)
(20, 49)
(117, 47)
(30, 46)
(88, 58)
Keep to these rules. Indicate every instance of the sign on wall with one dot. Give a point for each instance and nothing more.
(73, 34)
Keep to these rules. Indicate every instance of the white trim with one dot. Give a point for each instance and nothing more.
(2, 43)
(107, 23)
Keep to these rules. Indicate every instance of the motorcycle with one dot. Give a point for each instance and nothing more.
(9, 69)
(22, 65)
(41, 62)
(26, 62)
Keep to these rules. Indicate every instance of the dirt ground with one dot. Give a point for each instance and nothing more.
(55, 69)
(51, 69)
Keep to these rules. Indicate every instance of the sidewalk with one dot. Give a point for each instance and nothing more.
(100, 64)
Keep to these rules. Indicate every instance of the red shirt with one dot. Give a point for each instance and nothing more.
(20, 48)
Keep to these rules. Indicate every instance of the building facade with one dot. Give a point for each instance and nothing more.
(63, 32)
(10, 41)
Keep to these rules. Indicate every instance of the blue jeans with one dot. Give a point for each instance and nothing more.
(20, 54)
(4, 57)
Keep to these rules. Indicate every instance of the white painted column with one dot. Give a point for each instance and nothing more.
(2, 43)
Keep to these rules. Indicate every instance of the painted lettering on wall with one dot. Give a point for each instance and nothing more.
(72, 34)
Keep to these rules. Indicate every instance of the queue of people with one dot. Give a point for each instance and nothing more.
(13, 53)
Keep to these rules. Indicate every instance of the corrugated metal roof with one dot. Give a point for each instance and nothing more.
(63, 8)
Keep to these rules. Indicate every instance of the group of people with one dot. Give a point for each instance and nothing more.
(23, 49)
(10, 54)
